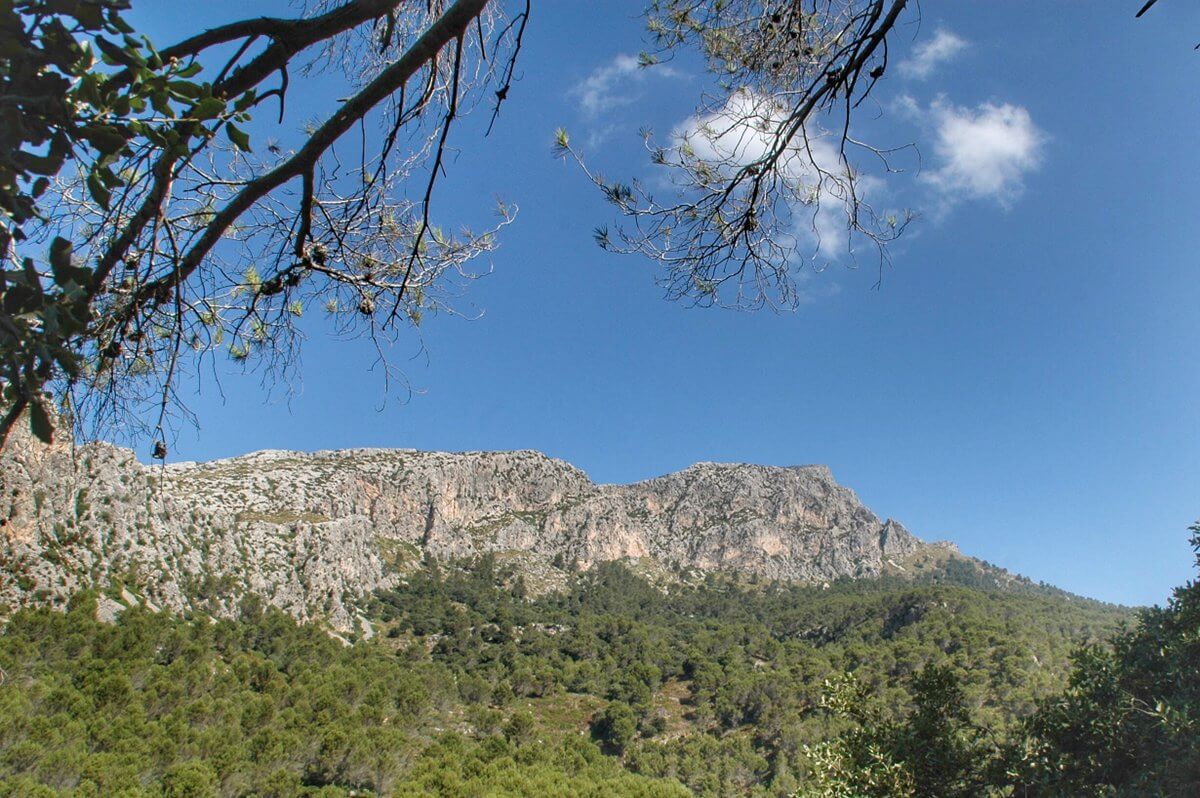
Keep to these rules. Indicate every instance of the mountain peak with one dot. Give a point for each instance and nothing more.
(312, 532)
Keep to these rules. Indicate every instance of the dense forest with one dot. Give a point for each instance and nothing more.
(616, 686)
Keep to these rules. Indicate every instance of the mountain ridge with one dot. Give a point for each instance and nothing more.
(314, 533)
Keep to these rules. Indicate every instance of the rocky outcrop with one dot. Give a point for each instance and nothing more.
(314, 532)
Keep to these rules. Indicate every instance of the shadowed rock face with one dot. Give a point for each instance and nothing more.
(312, 533)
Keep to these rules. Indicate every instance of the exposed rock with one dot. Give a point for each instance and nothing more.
(313, 533)
(108, 610)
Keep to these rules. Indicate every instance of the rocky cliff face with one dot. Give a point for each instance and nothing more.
(313, 533)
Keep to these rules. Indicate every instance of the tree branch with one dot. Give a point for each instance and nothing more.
(447, 28)
(299, 32)
(289, 37)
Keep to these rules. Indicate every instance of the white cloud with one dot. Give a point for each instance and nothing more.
(983, 152)
(736, 135)
(929, 55)
(743, 131)
(614, 84)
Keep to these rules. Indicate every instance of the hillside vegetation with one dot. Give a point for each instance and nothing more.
(615, 686)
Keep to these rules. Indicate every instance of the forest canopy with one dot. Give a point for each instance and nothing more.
(614, 686)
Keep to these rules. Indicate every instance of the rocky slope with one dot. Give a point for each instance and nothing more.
(313, 533)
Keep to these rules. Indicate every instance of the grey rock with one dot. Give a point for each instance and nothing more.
(313, 533)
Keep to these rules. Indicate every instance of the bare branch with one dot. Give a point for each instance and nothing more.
(761, 178)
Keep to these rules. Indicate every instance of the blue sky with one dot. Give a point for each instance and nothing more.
(1023, 382)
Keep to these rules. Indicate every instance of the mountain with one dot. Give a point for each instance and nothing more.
(313, 533)
(685, 635)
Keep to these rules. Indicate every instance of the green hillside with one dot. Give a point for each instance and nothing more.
(615, 687)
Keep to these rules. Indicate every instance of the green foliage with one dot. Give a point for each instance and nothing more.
(1126, 725)
(1129, 722)
(574, 768)
(190, 779)
(79, 91)
(722, 681)
(43, 120)
(933, 751)
(615, 727)
(159, 706)
(469, 688)
(42, 65)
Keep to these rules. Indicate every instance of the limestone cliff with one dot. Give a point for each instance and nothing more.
(314, 532)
